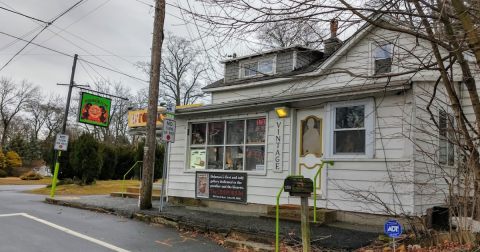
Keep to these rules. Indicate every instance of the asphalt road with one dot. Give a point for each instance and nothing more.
(28, 224)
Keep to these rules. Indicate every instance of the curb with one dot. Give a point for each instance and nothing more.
(241, 235)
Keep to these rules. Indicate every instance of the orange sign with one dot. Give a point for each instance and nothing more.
(138, 118)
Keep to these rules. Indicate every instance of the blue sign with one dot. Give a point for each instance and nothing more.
(393, 229)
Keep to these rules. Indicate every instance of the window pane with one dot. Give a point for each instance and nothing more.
(198, 133)
(255, 159)
(197, 159)
(351, 141)
(349, 117)
(383, 66)
(235, 132)
(234, 158)
(216, 132)
(383, 51)
(215, 157)
(250, 69)
(256, 131)
(265, 66)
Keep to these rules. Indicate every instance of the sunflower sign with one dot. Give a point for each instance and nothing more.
(94, 110)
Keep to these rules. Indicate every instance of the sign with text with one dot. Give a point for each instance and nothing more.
(393, 229)
(170, 111)
(138, 118)
(221, 186)
(61, 142)
(278, 148)
(94, 110)
(168, 130)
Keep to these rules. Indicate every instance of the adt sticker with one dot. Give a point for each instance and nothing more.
(393, 229)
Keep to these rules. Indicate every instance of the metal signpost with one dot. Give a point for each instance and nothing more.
(393, 229)
(61, 144)
(168, 135)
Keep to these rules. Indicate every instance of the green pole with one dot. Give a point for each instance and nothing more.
(278, 212)
(54, 182)
(315, 189)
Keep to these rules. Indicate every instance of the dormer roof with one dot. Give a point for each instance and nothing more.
(276, 50)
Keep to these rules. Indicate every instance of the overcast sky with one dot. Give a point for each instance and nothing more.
(122, 27)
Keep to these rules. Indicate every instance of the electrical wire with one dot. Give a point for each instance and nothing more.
(44, 28)
(21, 14)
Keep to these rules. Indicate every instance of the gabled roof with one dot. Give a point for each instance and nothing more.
(316, 68)
(298, 47)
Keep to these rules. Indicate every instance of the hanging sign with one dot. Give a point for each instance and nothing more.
(94, 110)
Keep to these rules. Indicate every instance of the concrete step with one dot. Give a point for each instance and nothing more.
(155, 190)
(133, 195)
(293, 212)
(248, 245)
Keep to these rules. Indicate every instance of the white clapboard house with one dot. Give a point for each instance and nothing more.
(282, 112)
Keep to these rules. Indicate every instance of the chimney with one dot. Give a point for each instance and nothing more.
(332, 43)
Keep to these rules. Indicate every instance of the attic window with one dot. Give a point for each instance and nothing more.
(258, 67)
(383, 59)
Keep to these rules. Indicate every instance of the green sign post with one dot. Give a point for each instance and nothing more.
(94, 110)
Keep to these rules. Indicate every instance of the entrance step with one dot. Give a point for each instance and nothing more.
(134, 192)
(248, 245)
(132, 195)
(293, 213)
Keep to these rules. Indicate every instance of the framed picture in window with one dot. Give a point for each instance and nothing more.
(311, 136)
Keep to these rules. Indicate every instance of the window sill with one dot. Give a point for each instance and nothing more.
(253, 173)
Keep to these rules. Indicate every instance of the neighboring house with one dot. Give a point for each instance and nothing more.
(43, 170)
(376, 130)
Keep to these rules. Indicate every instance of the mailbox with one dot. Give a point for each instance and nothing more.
(298, 186)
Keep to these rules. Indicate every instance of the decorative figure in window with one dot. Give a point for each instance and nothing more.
(311, 137)
(229, 161)
(198, 139)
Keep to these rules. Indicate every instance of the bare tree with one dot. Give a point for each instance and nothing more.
(53, 109)
(14, 98)
(289, 33)
(182, 70)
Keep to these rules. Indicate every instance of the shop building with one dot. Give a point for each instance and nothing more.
(283, 111)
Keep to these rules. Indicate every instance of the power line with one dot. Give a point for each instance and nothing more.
(46, 26)
(21, 14)
(68, 55)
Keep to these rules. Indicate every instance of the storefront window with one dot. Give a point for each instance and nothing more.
(221, 145)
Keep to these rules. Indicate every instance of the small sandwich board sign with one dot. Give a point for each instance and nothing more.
(61, 142)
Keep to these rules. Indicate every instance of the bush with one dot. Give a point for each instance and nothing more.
(86, 159)
(31, 175)
(67, 181)
(3, 174)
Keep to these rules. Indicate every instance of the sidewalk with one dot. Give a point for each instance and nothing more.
(227, 223)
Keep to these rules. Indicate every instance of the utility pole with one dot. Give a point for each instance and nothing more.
(64, 126)
(150, 143)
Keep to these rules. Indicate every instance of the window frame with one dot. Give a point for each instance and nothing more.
(375, 45)
(189, 146)
(369, 125)
(273, 58)
(448, 117)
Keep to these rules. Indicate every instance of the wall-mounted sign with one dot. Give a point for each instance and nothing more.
(221, 186)
(94, 110)
(278, 145)
(197, 158)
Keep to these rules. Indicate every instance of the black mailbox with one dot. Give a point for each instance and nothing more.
(298, 186)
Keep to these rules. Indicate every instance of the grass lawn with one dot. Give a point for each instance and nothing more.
(18, 181)
(100, 187)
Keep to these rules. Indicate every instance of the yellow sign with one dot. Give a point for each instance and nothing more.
(138, 118)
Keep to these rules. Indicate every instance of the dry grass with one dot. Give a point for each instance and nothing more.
(18, 181)
(101, 187)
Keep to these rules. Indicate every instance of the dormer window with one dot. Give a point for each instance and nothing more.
(383, 59)
(258, 67)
